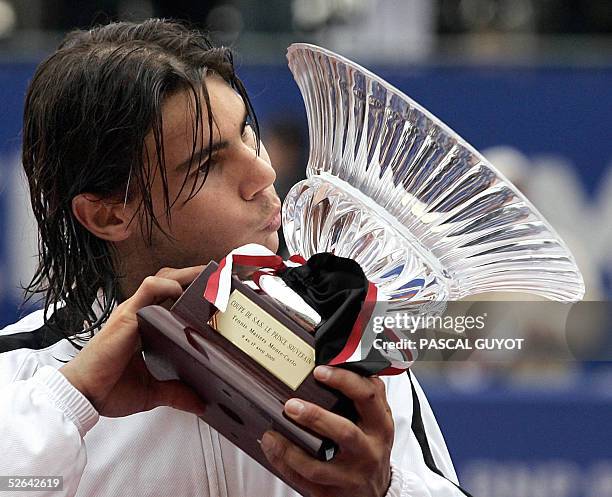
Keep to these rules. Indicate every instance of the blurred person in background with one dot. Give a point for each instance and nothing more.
(143, 158)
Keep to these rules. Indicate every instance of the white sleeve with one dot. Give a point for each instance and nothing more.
(42, 423)
(420, 463)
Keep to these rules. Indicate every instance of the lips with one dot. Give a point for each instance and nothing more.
(274, 221)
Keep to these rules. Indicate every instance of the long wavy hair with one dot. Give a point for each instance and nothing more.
(88, 109)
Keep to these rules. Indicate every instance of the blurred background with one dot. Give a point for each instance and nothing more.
(528, 82)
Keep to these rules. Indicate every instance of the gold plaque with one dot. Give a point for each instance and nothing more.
(265, 339)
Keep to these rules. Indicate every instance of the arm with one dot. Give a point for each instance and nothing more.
(42, 423)
(44, 418)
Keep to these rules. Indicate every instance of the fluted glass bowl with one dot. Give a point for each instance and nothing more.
(390, 185)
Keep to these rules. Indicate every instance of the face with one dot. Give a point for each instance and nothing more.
(237, 204)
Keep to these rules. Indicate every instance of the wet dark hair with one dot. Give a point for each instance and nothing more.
(88, 109)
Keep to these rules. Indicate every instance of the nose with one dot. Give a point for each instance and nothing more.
(258, 174)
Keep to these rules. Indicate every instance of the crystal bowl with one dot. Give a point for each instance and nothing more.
(391, 186)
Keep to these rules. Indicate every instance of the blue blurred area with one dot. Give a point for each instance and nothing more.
(505, 441)
(519, 442)
(14, 79)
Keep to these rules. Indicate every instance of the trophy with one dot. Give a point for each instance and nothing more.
(391, 186)
(392, 190)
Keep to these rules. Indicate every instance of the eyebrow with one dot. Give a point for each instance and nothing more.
(206, 151)
(203, 152)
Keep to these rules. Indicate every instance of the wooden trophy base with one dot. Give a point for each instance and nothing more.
(244, 399)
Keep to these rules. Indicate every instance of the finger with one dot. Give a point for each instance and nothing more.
(368, 394)
(122, 327)
(153, 290)
(183, 276)
(344, 432)
(174, 393)
(277, 447)
(268, 445)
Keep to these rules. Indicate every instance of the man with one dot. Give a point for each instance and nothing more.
(142, 154)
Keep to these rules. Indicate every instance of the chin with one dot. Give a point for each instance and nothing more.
(271, 242)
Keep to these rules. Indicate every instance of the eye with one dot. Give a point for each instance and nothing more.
(207, 165)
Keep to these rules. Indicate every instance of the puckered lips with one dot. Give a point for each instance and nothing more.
(273, 222)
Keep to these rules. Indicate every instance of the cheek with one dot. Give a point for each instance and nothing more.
(216, 221)
(211, 215)
(201, 237)
(210, 224)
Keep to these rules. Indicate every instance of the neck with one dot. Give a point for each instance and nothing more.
(134, 264)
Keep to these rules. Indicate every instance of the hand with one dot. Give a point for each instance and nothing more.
(110, 370)
(362, 466)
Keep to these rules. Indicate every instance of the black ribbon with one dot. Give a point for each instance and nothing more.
(335, 287)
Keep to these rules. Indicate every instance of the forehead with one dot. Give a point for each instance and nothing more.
(179, 112)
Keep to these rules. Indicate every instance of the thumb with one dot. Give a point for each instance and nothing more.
(174, 393)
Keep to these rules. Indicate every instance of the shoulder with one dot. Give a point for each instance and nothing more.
(27, 345)
(32, 332)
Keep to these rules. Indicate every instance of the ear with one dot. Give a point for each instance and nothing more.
(106, 219)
